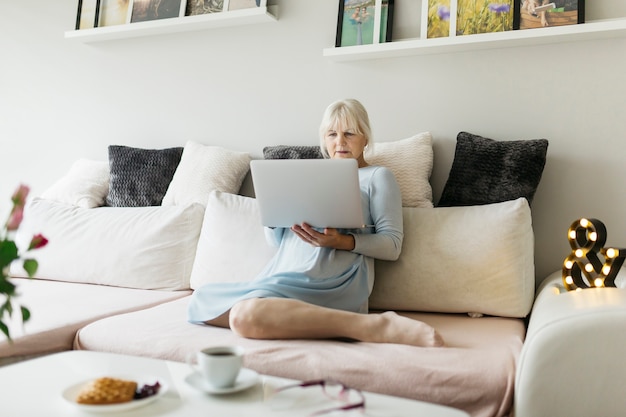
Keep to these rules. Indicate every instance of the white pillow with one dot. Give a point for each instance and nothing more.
(473, 259)
(203, 169)
(232, 245)
(86, 185)
(411, 161)
(136, 247)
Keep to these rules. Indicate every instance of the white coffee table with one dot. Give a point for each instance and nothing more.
(35, 387)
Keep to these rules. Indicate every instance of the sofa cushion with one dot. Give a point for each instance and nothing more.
(203, 169)
(474, 372)
(476, 259)
(59, 309)
(86, 185)
(232, 245)
(136, 247)
(292, 152)
(411, 161)
(140, 177)
(488, 171)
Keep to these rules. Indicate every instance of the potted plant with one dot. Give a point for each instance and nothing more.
(9, 253)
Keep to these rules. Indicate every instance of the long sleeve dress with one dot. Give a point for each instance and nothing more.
(327, 277)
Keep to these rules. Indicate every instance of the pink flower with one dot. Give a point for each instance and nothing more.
(38, 241)
(17, 213)
(19, 196)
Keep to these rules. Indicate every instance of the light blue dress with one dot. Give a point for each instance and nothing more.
(326, 277)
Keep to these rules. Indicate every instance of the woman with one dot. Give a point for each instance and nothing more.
(318, 283)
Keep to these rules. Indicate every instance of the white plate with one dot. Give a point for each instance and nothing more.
(71, 392)
(246, 379)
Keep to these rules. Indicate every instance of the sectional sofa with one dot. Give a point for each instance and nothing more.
(132, 237)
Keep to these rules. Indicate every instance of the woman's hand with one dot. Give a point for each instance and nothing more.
(330, 238)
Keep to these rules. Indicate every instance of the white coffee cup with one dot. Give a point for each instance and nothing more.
(219, 365)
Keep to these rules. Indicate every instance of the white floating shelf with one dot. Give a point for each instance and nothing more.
(527, 37)
(175, 25)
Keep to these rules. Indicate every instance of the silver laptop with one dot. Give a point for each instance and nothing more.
(320, 192)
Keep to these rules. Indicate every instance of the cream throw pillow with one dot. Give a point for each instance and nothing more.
(473, 259)
(135, 247)
(86, 184)
(411, 161)
(232, 245)
(203, 169)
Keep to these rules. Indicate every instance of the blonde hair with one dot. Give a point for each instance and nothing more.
(349, 114)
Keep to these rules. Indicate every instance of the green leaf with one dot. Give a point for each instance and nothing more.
(6, 287)
(25, 314)
(6, 307)
(8, 252)
(30, 266)
(5, 330)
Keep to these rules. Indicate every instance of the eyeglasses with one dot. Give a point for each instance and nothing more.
(286, 397)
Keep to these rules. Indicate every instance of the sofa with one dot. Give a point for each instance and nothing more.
(132, 237)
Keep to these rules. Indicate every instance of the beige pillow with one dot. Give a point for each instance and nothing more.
(205, 168)
(411, 161)
(473, 259)
(135, 247)
(232, 245)
(86, 184)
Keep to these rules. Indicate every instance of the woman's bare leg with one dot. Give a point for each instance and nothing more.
(281, 318)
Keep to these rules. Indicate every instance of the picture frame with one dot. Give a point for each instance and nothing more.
(197, 7)
(87, 15)
(438, 19)
(484, 16)
(147, 10)
(364, 22)
(114, 12)
(531, 14)
(386, 21)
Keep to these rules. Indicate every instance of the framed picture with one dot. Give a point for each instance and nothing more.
(145, 10)
(114, 12)
(87, 14)
(244, 4)
(364, 22)
(438, 18)
(484, 16)
(385, 21)
(195, 7)
(530, 14)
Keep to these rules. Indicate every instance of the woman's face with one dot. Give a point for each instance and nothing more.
(345, 143)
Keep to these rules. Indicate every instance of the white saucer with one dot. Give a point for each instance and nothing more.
(246, 379)
(70, 393)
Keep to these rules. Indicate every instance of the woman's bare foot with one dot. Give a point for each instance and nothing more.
(390, 327)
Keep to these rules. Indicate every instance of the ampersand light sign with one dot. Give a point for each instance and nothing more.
(590, 264)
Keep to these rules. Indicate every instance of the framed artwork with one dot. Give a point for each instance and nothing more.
(145, 10)
(531, 14)
(364, 22)
(195, 7)
(87, 14)
(114, 12)
(438, 18)
(385, 21)
(484, 16)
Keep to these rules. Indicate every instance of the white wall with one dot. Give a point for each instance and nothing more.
(252, 86)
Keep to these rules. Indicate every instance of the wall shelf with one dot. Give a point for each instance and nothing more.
(528, 37)
(174, 25)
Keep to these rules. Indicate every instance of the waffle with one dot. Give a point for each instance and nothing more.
(107, 391)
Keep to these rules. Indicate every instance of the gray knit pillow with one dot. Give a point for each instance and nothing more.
(292, 152)
(140, 177)
(487, 171)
